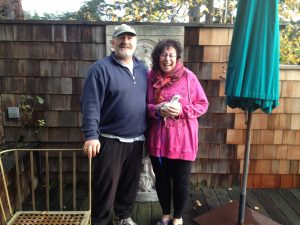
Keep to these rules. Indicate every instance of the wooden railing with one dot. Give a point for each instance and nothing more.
(17, 164)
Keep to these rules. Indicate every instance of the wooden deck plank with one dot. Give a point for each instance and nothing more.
(234, 193)
(134, 212)
(189, 212)
(253, 202)
(269, 206)
(84, 205)
(81, 197)
(251, 199)
(211, 198)
(40, 203)
(68, 197)
(296, 192)
(144, 213)
(290, 198)
(223, 195)
(156, 212)
(284, 207)
(199, 202)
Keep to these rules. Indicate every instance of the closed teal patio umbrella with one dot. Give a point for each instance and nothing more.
(252, 83)
(253, 68)
(252, 80)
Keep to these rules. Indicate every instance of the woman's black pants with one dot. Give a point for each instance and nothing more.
(172, 176)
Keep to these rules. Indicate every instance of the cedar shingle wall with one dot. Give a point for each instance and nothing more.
(275, 149)
(1, 124)
(51, 59)
(206, 54)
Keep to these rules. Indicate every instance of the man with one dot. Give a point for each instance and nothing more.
(113, 106)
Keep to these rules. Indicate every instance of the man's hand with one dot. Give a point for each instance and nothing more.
(91, 148)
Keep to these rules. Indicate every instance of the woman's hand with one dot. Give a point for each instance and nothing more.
(164, 112)
(170, 110)
(174, 110)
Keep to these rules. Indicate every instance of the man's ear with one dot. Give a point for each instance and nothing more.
(112, 45)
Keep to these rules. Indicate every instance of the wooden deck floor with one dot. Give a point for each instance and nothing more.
(281, 205)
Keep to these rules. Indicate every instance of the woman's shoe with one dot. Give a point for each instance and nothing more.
(167, 222)
(171, 223)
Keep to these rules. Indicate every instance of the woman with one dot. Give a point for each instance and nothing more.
(173, 135)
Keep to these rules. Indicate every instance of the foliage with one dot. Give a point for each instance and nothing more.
(131, 10)
(289, 9)
(45, 16)
(193, 11)
(290, 34)
(154, 11)
(290, 44)
(149, 11)
(28, 106)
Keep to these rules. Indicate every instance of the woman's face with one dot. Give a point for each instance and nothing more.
(167, 59)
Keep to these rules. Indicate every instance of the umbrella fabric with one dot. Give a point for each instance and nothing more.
(253, 69)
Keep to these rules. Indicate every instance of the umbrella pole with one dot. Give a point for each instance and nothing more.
(242, 204)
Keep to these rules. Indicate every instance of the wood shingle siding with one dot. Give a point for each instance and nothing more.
(274, 136)
(51, 58)
(48, 60)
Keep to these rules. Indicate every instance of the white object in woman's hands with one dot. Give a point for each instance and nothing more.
(172, 108)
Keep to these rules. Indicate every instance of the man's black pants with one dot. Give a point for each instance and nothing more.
(116, 177)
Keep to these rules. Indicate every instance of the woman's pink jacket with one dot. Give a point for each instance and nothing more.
(176, 138)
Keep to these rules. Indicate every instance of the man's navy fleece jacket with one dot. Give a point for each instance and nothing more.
(111, 102)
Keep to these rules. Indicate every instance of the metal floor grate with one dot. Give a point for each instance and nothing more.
(49, 219)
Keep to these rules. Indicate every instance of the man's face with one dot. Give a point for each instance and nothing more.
(124, 45)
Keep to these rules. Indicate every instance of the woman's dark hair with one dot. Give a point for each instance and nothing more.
(160, 47)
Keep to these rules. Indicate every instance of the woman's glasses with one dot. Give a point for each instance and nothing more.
(167, 55)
